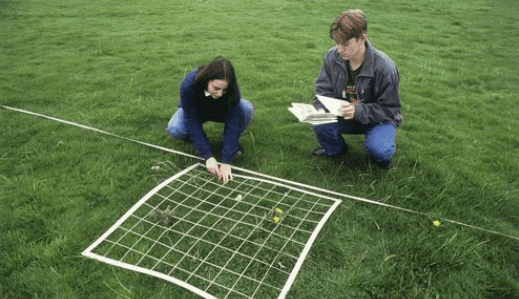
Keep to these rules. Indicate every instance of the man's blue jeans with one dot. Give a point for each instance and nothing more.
(379, 139)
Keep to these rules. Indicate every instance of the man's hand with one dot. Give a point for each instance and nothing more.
(212, 166)
(225, 173)
(347, 111)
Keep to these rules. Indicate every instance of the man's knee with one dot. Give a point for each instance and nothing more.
(380, 151)
(380, 142)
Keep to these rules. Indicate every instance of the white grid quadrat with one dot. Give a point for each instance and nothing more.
(193, 231)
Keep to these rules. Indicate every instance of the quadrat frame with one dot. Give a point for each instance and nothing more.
(244, 239)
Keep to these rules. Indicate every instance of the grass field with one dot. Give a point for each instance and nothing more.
(116, 65)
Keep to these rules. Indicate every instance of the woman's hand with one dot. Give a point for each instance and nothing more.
(212, 166)
(225, 173)
(221, 171)
(347, 111)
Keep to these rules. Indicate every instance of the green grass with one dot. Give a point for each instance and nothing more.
(117, 65)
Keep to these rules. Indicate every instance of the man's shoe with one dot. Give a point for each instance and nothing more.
(321, 152)
(386, 165)
(383, 164)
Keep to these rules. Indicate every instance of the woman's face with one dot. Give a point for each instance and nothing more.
(217, 88)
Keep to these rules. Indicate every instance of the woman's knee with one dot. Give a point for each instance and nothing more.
(176, 132)
(175, 127)
(247, 110)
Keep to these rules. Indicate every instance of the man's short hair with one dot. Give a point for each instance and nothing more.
(349, 24)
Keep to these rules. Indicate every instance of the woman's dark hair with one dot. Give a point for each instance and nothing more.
(218, 69)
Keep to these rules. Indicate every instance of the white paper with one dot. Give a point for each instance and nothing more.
(307, 113)
(333, 105)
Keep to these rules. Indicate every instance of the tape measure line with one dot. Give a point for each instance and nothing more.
(102, 132)
(263, 175)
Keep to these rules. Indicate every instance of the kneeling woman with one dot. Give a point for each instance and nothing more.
(211, 93)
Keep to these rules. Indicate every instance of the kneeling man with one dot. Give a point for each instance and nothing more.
(368, 81)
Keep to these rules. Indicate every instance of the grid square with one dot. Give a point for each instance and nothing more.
(231, 243)
(241, 230)
(245, 286)
(184, 244)
(249, 249)
(188, 263)
(234, 215)
(194, 231)
(147, 262)
(158, 251)
(275, 278)
(272, 257)
(169, 238)
(198, 231)
(171, 258)
(132, 257)
(200, 250)
(238, 264)
(219, 256)
(214, 236)
(208, 271)
(256, 270)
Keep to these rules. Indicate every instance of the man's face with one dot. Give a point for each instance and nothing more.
(352, 48)
(217, 88)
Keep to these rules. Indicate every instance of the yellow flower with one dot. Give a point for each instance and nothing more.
(278, 210)
(276, 219)
(437, 223)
